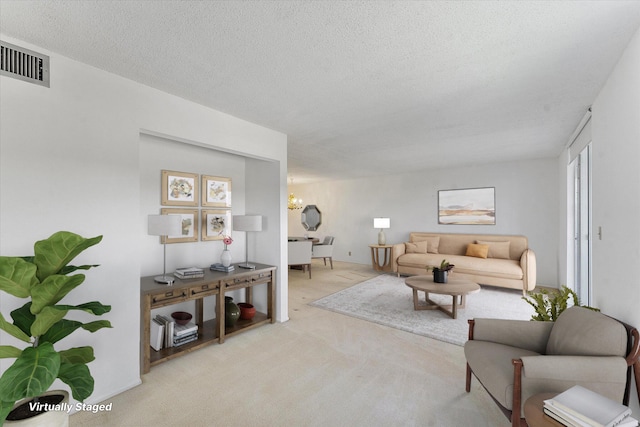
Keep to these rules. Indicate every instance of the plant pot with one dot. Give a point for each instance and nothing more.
(439, 276)
(231, 312)
(247, 311)
(50, 418)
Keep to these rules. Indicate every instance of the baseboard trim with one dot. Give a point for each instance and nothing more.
(109, 396)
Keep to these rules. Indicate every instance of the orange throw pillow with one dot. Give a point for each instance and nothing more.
(478, 251)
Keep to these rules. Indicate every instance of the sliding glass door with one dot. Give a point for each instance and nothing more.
(581, 166)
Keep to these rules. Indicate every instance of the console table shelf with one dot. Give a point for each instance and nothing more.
(207, 334)
(243, 325)
(214, 284)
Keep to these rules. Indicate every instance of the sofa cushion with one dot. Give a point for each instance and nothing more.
(579, 331)
(500, 268)
(496, 249)
(433, 242)
(503, 268)
(416, 248)
(476, 250)
(491, 364)
(456, 244)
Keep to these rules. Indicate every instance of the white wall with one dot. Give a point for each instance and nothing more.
(526, 203)
(616, 192)
(157, 154)
(70, 158)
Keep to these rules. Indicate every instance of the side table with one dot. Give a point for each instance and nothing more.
(375, 257)
(534, 412)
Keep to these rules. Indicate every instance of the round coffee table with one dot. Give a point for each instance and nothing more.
(454, 287)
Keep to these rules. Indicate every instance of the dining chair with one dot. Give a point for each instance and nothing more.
(323, 251)
(300, 255)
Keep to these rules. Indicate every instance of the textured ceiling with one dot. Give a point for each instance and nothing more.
(361, 88)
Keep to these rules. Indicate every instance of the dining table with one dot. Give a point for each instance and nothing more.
(313, 240)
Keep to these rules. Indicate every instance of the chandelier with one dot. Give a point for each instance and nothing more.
(294, 203)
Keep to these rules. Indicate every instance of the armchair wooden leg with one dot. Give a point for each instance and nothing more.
(517, 392)
(471, 323)
(636, 372)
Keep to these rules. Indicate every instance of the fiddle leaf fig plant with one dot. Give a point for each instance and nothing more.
(549, 304)
(44, 279)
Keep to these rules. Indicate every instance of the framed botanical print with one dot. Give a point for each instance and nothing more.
(190, 221)
(216, 191)
(216, 224)
(475, 206)
(179, 188)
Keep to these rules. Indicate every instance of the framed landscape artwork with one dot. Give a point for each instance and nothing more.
(216, 191)
(179, 188)
(475, 206)
(190, 222)
(216, 224)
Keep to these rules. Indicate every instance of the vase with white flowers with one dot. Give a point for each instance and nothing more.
(225, 258)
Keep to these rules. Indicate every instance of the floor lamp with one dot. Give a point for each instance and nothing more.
(247, 223)
(163, 226)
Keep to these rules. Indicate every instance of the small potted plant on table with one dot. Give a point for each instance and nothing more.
(440, 273)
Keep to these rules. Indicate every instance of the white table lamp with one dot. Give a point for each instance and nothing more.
(381, 223)
(247, 223)
(163, 226)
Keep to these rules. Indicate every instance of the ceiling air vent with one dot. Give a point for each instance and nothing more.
(24, 64)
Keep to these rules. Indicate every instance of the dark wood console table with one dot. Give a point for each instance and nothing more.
(214, 284)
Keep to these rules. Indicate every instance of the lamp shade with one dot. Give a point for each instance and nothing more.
(381, 222)
(247, 222)
(164, 225)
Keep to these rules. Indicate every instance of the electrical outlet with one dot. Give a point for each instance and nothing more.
(349, 253)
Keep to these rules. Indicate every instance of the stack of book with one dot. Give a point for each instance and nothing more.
(166, 333)
(157, 334)
(189, 273)
(163, 333)
(220, 267)
(183, 334)
(581, 407)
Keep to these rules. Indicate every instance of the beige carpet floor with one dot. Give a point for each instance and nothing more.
(318, 369)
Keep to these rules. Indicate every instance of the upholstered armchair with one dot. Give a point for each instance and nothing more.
(516, 359)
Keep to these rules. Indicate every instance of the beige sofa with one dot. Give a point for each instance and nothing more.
(509, 262)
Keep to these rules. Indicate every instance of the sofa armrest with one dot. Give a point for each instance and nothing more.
(523, 334)
(528, 265)
(397, 250)
(569, 368)
(606, 375)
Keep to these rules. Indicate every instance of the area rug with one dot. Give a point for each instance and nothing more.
(386, 300)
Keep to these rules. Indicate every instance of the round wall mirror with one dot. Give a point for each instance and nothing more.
(311, 218)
